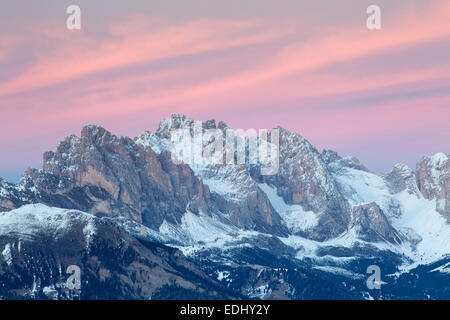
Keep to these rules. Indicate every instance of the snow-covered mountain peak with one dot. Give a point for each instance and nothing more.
(400, 178)
(438, 164)
(315, 201)
(439, 159)
(372, 225)
(402, 169)
(29, 220)
(176, 121)
(95, 134)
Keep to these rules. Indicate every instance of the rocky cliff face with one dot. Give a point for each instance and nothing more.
(433, 180)
(304, 179)
(15, 195)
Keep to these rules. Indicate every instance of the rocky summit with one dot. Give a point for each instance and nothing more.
(141, 225)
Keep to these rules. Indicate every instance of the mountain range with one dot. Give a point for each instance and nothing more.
(140, 225)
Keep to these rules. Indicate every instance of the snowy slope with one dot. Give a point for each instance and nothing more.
(28, 220)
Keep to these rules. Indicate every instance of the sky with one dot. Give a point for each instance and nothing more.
(312, 67)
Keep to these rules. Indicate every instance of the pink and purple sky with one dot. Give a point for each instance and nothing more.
(310, 66)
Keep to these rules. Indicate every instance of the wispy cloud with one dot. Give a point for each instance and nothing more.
(126, 74)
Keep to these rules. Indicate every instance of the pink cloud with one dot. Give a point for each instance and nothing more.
(288, 77)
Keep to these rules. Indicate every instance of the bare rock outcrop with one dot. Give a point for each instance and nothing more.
(102, 174)
(433, 180)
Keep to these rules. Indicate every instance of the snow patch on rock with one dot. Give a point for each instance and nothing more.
(295, 218)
